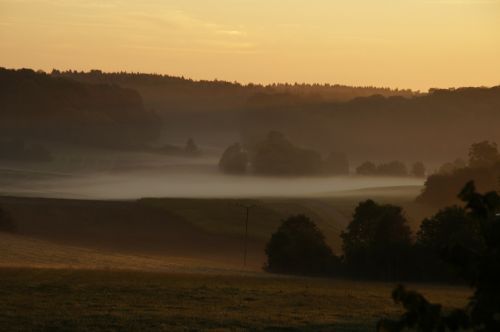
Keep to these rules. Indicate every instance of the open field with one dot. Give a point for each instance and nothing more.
(28, 252)
(199, 229)
(168, 264)
(79, 300)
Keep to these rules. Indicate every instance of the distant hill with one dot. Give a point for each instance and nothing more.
(439, 125)
(210, 111)
(170, 93)
(38, 105)
(134, 109)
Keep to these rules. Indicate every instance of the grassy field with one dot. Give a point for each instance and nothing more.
(206, 229)
(83, 300)
(175, 265)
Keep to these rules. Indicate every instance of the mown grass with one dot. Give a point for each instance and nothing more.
(84, 300)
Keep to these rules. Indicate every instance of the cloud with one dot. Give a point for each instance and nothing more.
(195, 30)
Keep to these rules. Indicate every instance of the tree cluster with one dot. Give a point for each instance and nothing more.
(475, 257)
(299, 247)
(378, 244)
(277, 156)
(483, 167)
(39, 106)
(412, 128)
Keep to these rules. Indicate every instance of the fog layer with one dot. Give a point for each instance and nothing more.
(196, 181)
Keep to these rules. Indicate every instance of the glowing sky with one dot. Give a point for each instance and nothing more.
(398, 43)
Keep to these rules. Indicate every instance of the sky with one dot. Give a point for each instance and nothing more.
(417, 44)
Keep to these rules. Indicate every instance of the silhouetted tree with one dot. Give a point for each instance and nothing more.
(394, 168)
(440, 189)
(299, 247)
(421, 315)
(451, 167)
(449, 227)
(39, 106)
(483, 154)
(234, 160)
(366, 168)
(276, 155)
(418, 169)
(377, 242)
(479, 266)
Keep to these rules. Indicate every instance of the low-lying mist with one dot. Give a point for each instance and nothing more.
(195, 180)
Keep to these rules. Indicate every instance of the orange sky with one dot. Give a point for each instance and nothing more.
(398, 43)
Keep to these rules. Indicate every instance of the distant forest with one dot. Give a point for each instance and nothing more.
(210, 111)
(38, 105)
(133, 109)
(433, 127)
(364, 122)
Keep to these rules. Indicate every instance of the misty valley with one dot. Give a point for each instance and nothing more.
(149, 202)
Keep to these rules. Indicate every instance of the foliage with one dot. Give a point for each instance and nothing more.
(41, 106)
(234, 160)
(483, 154)
(484, 169)
(478, 265)
(393, 168)
(421, 315)
(276, 155)
(451, 167)
(414, 127)
(377, 242)
(448, 227)
(299, 247)
(366, 168)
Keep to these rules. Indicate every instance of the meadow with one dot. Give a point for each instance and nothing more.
(165, 264)
(114, 300)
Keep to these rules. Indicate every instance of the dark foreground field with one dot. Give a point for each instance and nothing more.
(176, 265)
(85, 300)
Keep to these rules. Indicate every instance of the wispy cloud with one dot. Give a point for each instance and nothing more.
(199, 31)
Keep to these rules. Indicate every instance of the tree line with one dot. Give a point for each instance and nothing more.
(40, 106)
(475, 259)
(377, 244)
(380, 127)
(276, 155)
(482, 166)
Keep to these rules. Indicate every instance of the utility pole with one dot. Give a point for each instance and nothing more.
(247, 209)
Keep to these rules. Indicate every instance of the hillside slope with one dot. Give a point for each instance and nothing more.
(37, 105)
